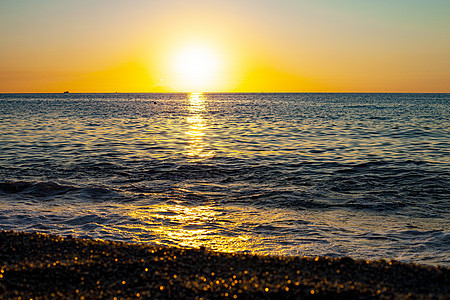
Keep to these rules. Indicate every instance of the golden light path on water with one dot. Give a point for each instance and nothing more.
(261, 231)
(209, 226)
(197, 147)
(226, 229)
(197, 226)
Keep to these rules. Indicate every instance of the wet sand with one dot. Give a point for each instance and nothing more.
(46, 266)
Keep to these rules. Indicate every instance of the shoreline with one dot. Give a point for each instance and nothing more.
(34, 265)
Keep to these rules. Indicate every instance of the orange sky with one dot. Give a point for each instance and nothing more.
(245, 46)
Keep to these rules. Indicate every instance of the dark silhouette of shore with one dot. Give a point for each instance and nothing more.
(47, 266)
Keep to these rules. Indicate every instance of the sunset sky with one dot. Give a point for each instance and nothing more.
(225, 46)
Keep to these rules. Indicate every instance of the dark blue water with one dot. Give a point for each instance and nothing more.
(364, 175)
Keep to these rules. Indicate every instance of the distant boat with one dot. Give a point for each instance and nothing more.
(66, 92)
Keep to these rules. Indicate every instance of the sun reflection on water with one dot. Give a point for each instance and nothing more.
(197, 147)
(195, 226)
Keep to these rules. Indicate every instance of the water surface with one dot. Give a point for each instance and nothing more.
(364, 175)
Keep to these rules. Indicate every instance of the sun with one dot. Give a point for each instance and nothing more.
(196, 68)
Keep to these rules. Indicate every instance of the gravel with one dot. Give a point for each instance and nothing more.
(41, 266)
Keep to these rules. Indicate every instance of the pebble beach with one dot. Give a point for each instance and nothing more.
(41, 266)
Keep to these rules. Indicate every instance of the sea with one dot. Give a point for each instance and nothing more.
(364, 175)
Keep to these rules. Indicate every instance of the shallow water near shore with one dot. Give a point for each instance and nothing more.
(360, 175)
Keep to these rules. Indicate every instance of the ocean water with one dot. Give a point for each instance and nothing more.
(359, 175)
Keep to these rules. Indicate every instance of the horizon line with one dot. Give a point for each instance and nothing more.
(239, 92)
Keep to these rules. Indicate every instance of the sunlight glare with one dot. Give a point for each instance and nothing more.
(196, 68)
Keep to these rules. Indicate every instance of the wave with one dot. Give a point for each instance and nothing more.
(407, 186)
(50, 190)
